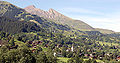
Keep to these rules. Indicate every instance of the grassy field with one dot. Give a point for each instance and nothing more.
(109, 44)
(100, 61)
(63, 59)
(44, 49)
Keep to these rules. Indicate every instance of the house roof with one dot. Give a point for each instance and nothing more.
(3, 42)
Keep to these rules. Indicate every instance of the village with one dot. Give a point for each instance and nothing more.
(73, 49)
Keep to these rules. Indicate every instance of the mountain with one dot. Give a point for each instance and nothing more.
(105, 31)
(19, 17)
(57, 17)
(15, 13)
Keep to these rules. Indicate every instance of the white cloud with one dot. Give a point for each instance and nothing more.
(105, 20)
(81, 10)
(101, 22)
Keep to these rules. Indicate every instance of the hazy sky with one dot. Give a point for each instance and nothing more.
(97, 13)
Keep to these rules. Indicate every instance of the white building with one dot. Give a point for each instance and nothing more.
(54, 53)
(72, 48)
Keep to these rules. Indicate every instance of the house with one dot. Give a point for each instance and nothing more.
(91, 57)
(3, 43)
(59, 45)
(81, 54)
(72, 48)
(58, 54)
(54, 53)
(36, 42)
(46, 45)
(33, 46)
(13, 47)
(86, 55)
(68, 50)
(33, 50)
(30, 42)
(100, 57)
(88, 50)
(118, 58)
(91, 54)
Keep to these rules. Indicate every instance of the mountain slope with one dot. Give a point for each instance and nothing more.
(59, 18)
(9, 10)
(11, 26)
(20, 15)
(104, 31)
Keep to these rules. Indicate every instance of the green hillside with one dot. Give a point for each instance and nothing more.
(18, 14)
(104, 31)
(13, 26)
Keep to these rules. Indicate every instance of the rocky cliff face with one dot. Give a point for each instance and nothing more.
(57, 17)
(51, 14)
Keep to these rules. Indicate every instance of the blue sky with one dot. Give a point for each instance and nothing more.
(97, 13)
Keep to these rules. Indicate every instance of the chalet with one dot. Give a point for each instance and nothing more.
(91, 57)
(54, 53)
(36, 42)
(86, 55)
(72, 48)
(34, 46)
(57, 54)
(118, 58)
(81, 54)
(94, 57)
(41, 42)
(91, 54)
(88, 50)
(94, 53)
(68, 49)
(33, 50)
(30, 42)
(46, 45)
(117, 46)
(101, 57)
(3, 43)
(59, 45)
(108, 54)
(13, 47)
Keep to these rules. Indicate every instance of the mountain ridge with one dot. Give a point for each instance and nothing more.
(19, 14)
(59, 18)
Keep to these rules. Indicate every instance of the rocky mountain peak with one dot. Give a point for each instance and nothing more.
(59, 18)
(52, 11)
(30, 7)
